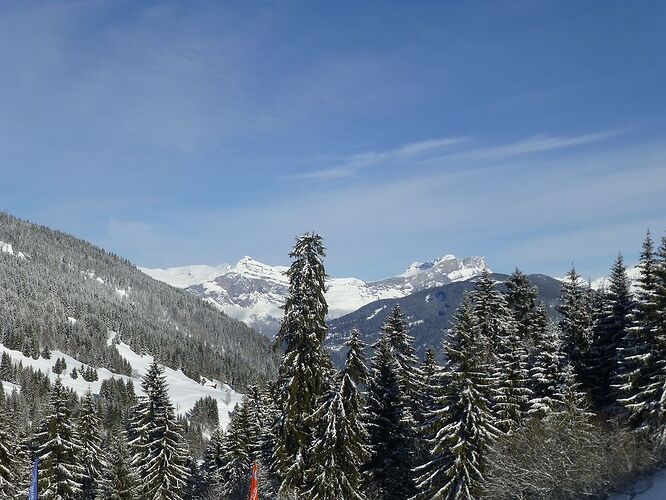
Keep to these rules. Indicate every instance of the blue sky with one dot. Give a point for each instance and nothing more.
(530, 132)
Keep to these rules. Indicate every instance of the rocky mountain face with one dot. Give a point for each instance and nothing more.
(253, 292)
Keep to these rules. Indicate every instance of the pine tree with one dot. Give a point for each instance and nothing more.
(462, 425)
(390, 428)
(60, 469)
(8, 465)
(615, 323)
(340, 446)
(547, 372)
(576, 322)
(492, 314)
(513, 396)
(305, 371)
(158, 452)
(90, 439)
(119, 481)
(522, 298)
(505, 351)
(654, 406)
(214, 460)
(237, 454)
(402, 343)
(355, 365)
(640, 347)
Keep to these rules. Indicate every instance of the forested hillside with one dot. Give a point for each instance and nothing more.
(60, 292)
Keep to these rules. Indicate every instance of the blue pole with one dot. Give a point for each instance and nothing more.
(33, 485)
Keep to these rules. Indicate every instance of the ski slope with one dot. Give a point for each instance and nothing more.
(183, 391)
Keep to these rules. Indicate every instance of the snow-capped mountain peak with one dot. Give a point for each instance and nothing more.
(253, 291)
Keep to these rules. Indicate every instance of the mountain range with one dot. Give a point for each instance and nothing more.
(253, 292)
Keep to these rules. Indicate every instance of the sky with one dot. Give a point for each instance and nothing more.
(529, 132)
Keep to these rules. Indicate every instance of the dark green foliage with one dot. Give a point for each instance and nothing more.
(61, 472)
(390, 425)
(355, 365)
(119, 481)
(304, 374)
(529, 314)
(611, 330)
(576, 322)
(89, 428)
(156, 441)
(461, 424)
(340, 447)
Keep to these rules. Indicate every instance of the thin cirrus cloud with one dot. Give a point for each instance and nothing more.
(534, 144)
(427, 150)
(351, 164)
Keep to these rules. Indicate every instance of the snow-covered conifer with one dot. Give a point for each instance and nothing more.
(355, 365)
(60, 464)
(119, 480)
(546, 372)
(522, 298)
(340, 446)
(237, 454)
(90, 439)
(612, 329)
(390, 427)
(304, 375)
(576, 322)
(640, 347)
(158, 451)
(462, 424)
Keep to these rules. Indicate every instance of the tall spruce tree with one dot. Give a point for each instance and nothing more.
(355, 365)
(8, 465)
(214, 460)
(390, 426)
(305, 371)
(492, 314)
(640, 346)
(60, 470)
(522, 298)
(654, 406)
(158, 452)
(614, 325)
(340, 446)
(576, 322)
(505, 351)
(90, 452)
(547, 372)
(513, 397)
(119, 480)
(237, 454)
(462, 425)
(396, 331)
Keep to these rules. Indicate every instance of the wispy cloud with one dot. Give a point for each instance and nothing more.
(430, 150)
(535, 144)
(351, 164)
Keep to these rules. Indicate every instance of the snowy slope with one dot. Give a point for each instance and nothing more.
(184, 391)
(253, 292)
(652, 488)
(184, 276)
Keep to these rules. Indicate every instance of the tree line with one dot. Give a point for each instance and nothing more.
(514, 405)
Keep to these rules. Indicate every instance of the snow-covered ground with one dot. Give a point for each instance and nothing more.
(653, 488)
(184, 391)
